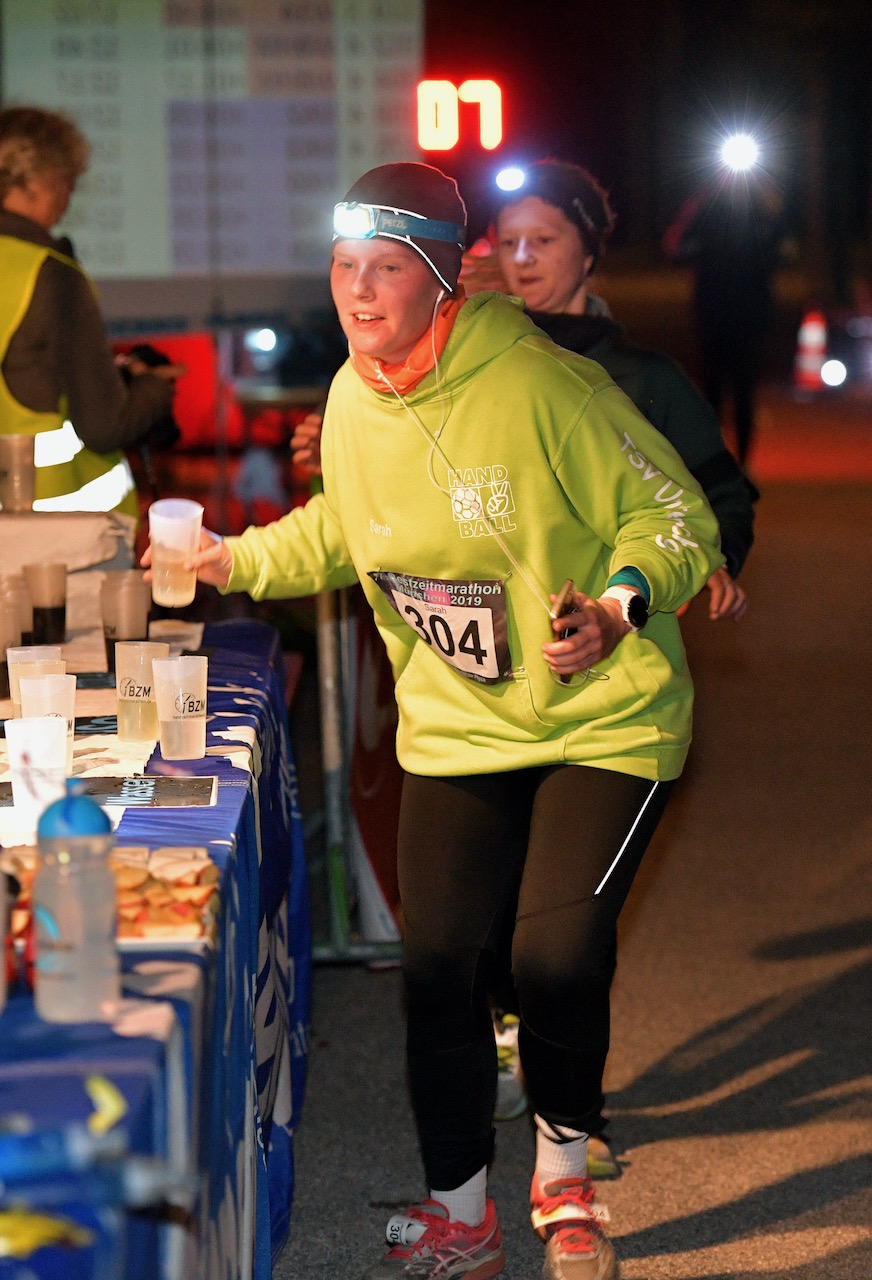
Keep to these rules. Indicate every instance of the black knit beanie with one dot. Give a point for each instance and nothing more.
(418, 189)
(575, 192)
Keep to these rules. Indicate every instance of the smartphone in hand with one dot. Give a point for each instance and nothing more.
(562, 605)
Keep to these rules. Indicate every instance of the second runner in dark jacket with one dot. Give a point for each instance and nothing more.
(662, 391)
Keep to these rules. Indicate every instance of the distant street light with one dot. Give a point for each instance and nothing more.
(833, 373)
(260, 340)
(740, 152)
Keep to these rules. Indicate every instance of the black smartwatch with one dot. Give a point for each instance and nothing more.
(633, 606)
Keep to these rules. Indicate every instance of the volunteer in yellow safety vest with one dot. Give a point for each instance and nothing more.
(58, 379)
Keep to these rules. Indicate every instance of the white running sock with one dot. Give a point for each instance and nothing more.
(561, 1153)
(467, 1203)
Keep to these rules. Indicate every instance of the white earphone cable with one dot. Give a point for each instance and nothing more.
(535, 587)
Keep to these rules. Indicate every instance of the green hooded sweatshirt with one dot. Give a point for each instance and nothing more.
(461, 509)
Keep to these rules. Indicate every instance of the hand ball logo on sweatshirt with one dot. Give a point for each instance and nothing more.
(481, 501)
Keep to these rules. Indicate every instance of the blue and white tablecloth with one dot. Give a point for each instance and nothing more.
(211, 1060)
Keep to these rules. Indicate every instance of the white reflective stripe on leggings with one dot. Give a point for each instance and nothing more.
(627, 839)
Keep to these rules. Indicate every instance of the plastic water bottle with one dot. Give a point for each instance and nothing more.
(74, 910)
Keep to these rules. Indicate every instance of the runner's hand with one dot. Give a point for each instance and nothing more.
(726, 598)
(212, 561)
(306, 443)
(597, 625)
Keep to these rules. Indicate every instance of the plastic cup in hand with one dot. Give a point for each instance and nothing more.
(17, 473)
(32, 660)
(125, 598)
(48, 591)
(180, 689)
(37, 762)
(51, 696)
(134, 685)
(174, 531)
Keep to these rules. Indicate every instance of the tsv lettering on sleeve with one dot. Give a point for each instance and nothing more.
(680, 537)
(638, 460)
(670, 495)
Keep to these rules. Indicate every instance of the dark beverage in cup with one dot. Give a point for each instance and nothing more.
(124, 603)
(49, 624)
(4, 678)
(48, 592)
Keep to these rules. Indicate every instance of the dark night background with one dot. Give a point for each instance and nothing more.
(641, 90)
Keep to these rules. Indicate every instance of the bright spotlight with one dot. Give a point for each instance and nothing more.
(833, 373)
(740, 152)
(511, 179)
(261, 340)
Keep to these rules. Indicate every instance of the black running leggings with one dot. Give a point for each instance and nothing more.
(566, 842)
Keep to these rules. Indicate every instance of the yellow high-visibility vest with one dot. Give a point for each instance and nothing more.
(69, 476)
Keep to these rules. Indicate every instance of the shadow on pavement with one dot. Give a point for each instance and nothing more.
(782, 1062)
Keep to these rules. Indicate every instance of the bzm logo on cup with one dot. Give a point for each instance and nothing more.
(187, 705)
(133, 692)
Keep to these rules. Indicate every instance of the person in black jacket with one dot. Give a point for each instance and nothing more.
(730, 232)
(549, 235)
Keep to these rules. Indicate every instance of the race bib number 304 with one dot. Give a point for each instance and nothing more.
(464, 622)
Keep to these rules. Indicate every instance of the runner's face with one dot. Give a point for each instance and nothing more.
(542, 256)
(384, 294)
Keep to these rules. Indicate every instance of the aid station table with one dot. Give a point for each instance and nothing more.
(204, 1066)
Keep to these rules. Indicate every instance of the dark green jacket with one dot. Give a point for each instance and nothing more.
(669, 400)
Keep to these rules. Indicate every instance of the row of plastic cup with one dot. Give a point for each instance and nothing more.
(174, 532)
(159, 697)
(33, 605)
(162, 697)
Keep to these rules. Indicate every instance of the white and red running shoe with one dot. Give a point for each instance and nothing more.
(565, 1217)
(427, 1246)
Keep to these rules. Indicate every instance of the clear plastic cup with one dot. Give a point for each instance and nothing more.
(37, 750)
(125, 599)
(32, 660)
(48, 591)
(51, 696)
(174, 526)
(17, 473)
(180, 690)
(134, 684)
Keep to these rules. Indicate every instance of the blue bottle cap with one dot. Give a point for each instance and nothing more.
(75, 814)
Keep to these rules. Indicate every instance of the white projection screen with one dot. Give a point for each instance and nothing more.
(222, 134)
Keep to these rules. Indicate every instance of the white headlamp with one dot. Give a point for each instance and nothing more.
(353, 221)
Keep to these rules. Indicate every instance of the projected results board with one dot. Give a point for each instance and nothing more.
(219, 146)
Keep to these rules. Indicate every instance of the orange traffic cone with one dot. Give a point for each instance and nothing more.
(811, 352)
